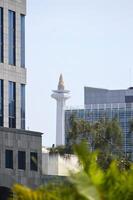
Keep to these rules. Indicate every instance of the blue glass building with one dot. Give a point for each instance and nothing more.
(106, 104)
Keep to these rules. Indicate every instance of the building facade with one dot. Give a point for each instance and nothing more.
(106, 104)
(20, 158)
(20, 150)
(104, 96)
(12, 63)
(54, 164)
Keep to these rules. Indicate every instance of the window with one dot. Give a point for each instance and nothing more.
(12, 37)
(21, 160)
(128, 99)
(0, 158)
(22, 40)
(33, 161)
(9, 159)
(22, 106)
(1, 35)
(1, 102)
(12, 105)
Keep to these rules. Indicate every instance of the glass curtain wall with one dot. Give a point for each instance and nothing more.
(22, 41)
(1, 102)
(12, 36)
(123, 112)
(1, 35)
(22, 106)
(12, 105)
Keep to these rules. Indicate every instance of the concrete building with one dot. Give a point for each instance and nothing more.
(101, 104)
(20, 157)
(12, 63)
(20, 150)
(104, 96)
(60, 95)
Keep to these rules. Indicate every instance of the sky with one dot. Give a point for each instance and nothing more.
(89, 41)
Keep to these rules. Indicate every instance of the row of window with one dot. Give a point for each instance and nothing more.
(21, 160)
(12, 104)
(12, 37)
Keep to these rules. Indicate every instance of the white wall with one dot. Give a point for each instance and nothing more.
(59, 165)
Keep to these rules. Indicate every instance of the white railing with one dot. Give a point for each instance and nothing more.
(100, 106)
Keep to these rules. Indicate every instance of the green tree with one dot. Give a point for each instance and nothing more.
(103, 135)
(91, 183)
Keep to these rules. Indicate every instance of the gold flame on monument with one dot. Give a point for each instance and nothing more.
(61, 83)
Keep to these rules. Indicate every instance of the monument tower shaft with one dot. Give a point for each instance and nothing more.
(60, 95)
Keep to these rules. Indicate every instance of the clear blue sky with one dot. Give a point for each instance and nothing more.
(89, 41)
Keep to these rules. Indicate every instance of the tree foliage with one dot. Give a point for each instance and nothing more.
(91, 183)
(104, 134)
(105, 173)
